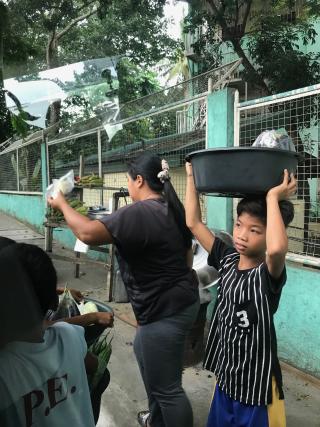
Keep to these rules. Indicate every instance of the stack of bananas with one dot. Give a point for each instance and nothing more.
(92, 180)
(78, 206)
(57, 216)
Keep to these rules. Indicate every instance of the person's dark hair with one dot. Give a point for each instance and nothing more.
(42, 272)
(20, 311)
(39, 268)
(258, 207)
(148, 166)
(5, 241)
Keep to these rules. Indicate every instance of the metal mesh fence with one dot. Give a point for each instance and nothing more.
(189, 89)
(170, 123)
(171, 134)
(65, 154)
(298, 115)
(20, 168)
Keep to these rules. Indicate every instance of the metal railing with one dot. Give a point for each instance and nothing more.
(298, 114)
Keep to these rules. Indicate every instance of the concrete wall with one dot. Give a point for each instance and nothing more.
(298, 318)
(30, 209)
(27, 208)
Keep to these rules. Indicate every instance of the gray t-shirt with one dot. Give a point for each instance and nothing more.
(45, 383)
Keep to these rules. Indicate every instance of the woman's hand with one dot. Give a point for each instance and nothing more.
(77, 295)
(287, 188)
(104, 319)
(98, 318)
(57, 202)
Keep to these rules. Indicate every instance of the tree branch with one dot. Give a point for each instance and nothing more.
(246, 14)
(237, 46)
(74, 22)
(236, 21)
(79, 9)
(50, 48)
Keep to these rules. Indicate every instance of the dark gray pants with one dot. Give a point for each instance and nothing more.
(159, 348)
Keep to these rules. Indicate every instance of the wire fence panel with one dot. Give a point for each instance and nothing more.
(65, 155)
(171, 134)
(170, 123)
(189, 89)
(298, 116)
(29, 167)
(21, 168)
(8, 171)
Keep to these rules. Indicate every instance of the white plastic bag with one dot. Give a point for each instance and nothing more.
(67, 307)
(65, 184)
(274, 139)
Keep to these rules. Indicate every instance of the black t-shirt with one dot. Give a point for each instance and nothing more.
(152, 259)
(242, 346)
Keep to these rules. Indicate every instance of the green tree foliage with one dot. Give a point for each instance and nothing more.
(135, 81)
(276, 49)
(269, 46)
(135, 29)
(180, 69)
(56, 32)
(44, 34)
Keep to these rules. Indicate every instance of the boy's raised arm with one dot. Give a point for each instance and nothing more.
(193, 213)
(276, 234)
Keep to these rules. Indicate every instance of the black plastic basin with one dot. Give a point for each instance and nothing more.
(240, 171)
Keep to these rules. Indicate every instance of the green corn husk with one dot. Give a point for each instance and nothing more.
(102, 349)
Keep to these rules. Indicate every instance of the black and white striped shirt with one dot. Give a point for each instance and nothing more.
(242, 348)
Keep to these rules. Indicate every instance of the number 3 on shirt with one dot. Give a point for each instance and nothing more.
(243, 319)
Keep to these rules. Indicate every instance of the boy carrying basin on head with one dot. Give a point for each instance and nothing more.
(242, 349)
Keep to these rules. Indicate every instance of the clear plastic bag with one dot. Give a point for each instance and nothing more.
(65, 184)
(67, 307)
(274, 139)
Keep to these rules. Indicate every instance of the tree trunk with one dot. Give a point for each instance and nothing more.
(5, 128)
(52, 62)
(234, 40)
(51, 51)
(256, 79)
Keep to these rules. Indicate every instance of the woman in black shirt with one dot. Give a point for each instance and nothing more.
(155, 259)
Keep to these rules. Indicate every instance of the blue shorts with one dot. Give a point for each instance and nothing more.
(226, 412)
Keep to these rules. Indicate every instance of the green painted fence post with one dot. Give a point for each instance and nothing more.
(220, 133)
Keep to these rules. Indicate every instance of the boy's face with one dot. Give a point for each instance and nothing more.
(249, 236)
